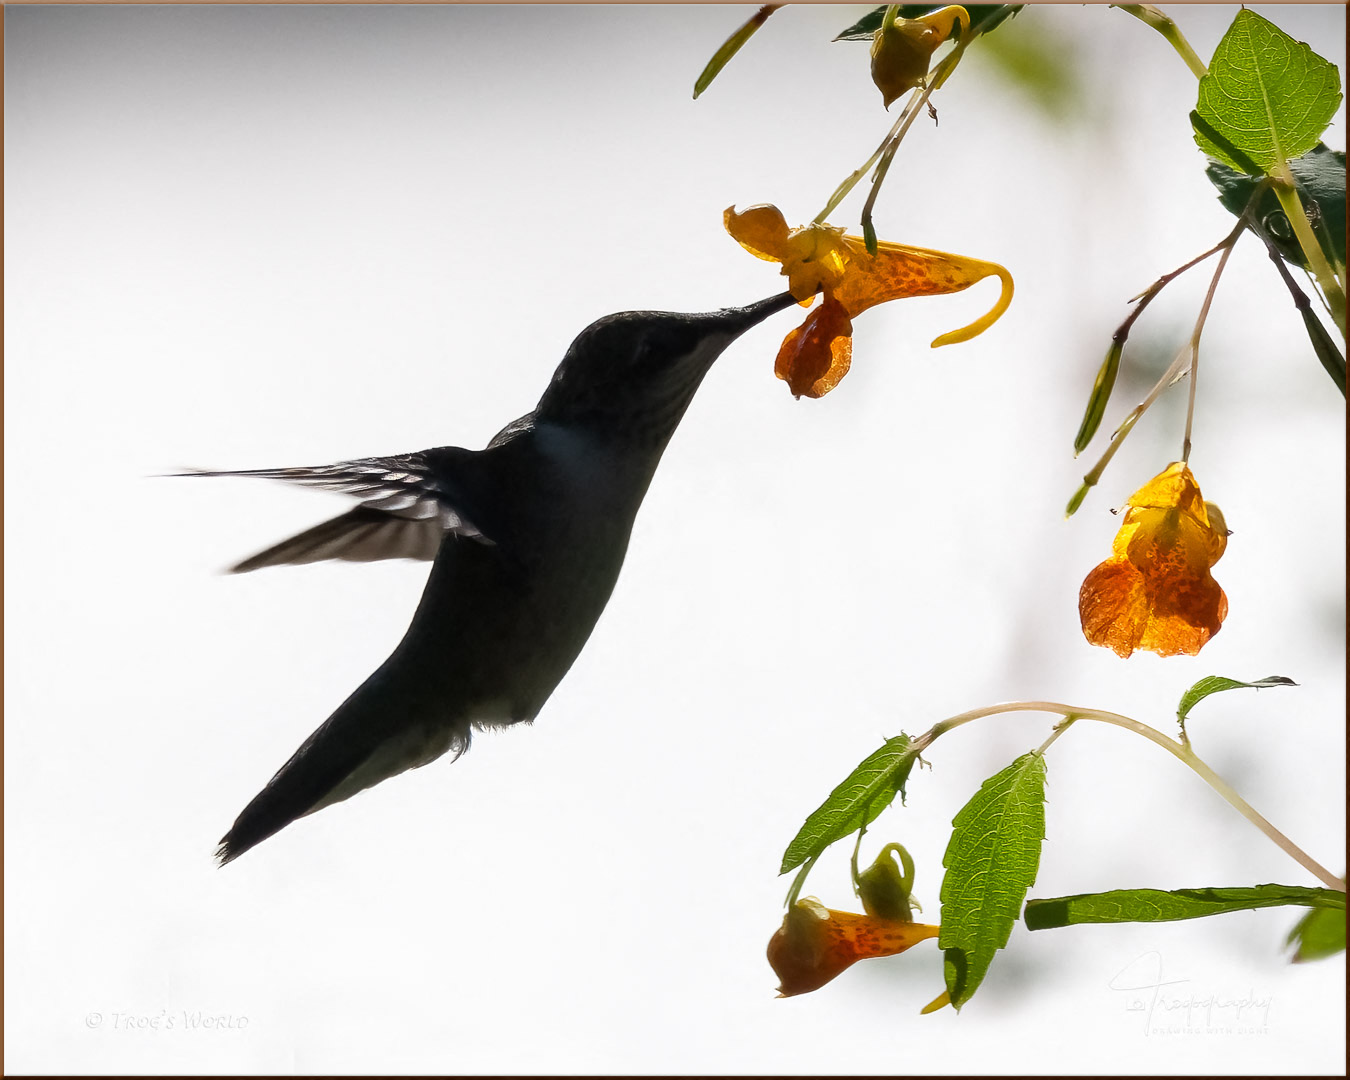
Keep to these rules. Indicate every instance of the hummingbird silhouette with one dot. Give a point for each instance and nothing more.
(527, 537)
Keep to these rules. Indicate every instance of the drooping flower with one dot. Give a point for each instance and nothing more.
(903, 48)
(815, 943)
(1155, 592)
(820, 258)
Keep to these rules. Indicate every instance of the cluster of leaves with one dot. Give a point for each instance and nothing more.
(991, 863)
(1262, 106)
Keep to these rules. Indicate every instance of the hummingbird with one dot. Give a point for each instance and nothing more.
(526, 539)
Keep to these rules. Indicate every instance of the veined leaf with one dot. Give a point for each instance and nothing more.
(1213, 684)
(1157, 905)
(1265, 99)
(867, 791)
(991, 861)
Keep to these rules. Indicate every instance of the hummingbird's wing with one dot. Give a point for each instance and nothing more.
(409, 504)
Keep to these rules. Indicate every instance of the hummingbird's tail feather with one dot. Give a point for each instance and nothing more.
(360, 535)
(368, 739)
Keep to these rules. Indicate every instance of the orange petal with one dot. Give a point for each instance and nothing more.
(1156, 592)
(817, 354)
(898, 271)
(815, 944)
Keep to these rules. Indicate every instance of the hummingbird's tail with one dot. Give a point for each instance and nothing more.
(367, 740)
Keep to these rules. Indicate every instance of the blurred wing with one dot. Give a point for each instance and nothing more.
(407, 509)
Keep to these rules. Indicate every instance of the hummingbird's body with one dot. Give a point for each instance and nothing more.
(528, 536)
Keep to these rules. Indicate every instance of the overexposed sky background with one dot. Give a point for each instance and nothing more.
(245, 237)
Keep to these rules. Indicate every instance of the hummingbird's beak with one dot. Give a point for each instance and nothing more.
(738, 320)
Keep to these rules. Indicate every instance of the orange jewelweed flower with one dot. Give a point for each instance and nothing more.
(1155, 592)
(820, 258)
(815, 944)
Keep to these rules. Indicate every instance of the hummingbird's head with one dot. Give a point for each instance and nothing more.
(632, 375)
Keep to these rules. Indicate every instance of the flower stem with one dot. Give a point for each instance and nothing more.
(1181, 752)
(1194, 344)
(1162, 23)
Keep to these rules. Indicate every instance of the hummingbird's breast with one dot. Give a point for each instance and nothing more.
(499, 625)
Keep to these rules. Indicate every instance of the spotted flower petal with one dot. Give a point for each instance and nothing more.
(820, 258)
(815, 943)
(1155, 592)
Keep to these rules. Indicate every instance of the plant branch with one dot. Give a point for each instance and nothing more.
(1152, 16)
(1287, 192)
(1180, 751)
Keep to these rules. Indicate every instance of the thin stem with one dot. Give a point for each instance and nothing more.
(1287, 193)
(1327, 353)
(1160, 22)
(1059, 729)
(1195, 343)
(1178, 750)
(891, 142)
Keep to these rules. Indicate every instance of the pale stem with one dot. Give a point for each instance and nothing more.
(902, 124)
(1195, 346)
(1181, 752)
(1162, 23)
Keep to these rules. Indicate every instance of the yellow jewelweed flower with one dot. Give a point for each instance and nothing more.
(1155, 592)
(820, 258)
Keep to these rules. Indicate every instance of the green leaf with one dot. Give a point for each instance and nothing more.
(1265, 99)
(732, 46)
(1157, 905)
(1319, 934)
(1320, 176)
(991, 861)
(867, 791)
(1096, 406)
(1213, 684)
(983, 18)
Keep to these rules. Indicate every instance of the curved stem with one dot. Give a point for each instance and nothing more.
(1181, 752)
(1195, 345)
(1162, 23)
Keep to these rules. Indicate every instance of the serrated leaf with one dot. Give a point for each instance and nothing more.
(1266, 97)
(1213, 684)
(867, 791)
(983, 18)
(1320, 176)
(1158, 905)
(991, 861)
(1319, 934)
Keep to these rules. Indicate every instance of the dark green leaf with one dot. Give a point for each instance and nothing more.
(1265, 99)
(1213, 684)
(1320, 175)
(991, 861)
(1319, 934)
(1325, 347)
(1157, 905)
(856, 802)
(983, 18)
(1096, 406)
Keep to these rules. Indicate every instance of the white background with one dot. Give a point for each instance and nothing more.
(250, 237)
